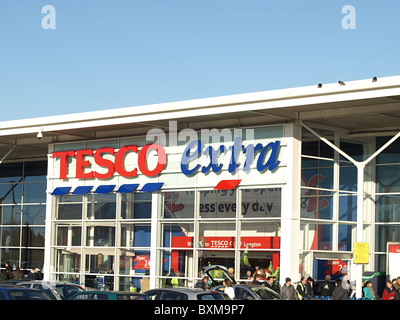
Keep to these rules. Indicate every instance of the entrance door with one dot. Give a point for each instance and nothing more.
(334, 265)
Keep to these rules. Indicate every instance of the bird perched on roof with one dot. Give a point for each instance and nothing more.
(341, 83)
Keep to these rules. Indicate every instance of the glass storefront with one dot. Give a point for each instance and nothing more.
(328, 198)
(196, 228)
(23, 211)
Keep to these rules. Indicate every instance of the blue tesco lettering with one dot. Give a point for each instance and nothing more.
(267, 156)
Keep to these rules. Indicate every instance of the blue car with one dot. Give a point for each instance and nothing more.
(12, 292)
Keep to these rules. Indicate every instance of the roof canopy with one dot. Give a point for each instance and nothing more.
(358, 108)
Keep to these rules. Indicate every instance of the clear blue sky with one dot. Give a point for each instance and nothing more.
(111, 54)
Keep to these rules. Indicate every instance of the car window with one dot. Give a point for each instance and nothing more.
(46, 289)
(170, 295)
(66, 291)
(27, 295)
(100, 296)
(82, 296)
(128, 296)
(265, 294)
(210, 296)
(152, 294)
(242, 294)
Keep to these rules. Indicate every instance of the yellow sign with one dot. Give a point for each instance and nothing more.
(361, 252)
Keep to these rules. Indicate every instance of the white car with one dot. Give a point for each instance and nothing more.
(55, 289)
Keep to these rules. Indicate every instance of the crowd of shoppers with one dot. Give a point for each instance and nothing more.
(343, 289)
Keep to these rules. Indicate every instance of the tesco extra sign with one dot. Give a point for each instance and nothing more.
(266, 158)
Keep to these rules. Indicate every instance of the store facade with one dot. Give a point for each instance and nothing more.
(144, 210)
(138, 196)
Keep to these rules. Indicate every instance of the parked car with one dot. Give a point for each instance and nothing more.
(13, 292)
(55, 289)
(108, 295)
(251, 292)
(185, 294)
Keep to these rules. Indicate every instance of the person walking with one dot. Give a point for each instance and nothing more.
(288, 292)
(389, 292)
(339, 293)
(326, 288)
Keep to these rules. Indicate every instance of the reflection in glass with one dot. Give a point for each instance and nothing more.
(218, 204)
(179, 204)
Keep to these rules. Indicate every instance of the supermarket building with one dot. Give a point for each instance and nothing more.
(269, 179)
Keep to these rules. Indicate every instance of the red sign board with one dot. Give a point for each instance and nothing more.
(229, 242)
(394, 248)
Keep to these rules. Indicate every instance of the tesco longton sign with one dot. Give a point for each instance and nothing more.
(267, 159)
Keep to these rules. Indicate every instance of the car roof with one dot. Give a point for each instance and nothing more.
(179, 289)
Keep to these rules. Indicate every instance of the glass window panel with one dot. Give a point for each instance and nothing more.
(176, 264)
(348, 207)
(11, 172)
(32, 258)
(346, 233)
(136, 205)
(261, 203)
(34, 214)
(353, 149)
(391, 154)
(138, 235)
(316, 205)
(10, 214)
(348, 178)
(177, 235)
(266, 234)
(385, 233)
(316, 236)
(35, 171)
(179, 204)
(388, 178)
(69, 207)
(11, 255)
(32, 236)
(264, 262)
(100, 236)
(98, 263)
(11, 193)
(318, 177)
(218, 204)
(67, 261)
(102, 206)
(387, 208)
(10, 236)
(35, 192)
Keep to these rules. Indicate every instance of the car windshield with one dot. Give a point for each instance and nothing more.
(210, 296)
(27, 295)
(66, 291)
(127, 296)
(264, 293)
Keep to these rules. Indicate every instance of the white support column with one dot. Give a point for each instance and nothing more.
(360, 224)
(154, 240)
(290, 214)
